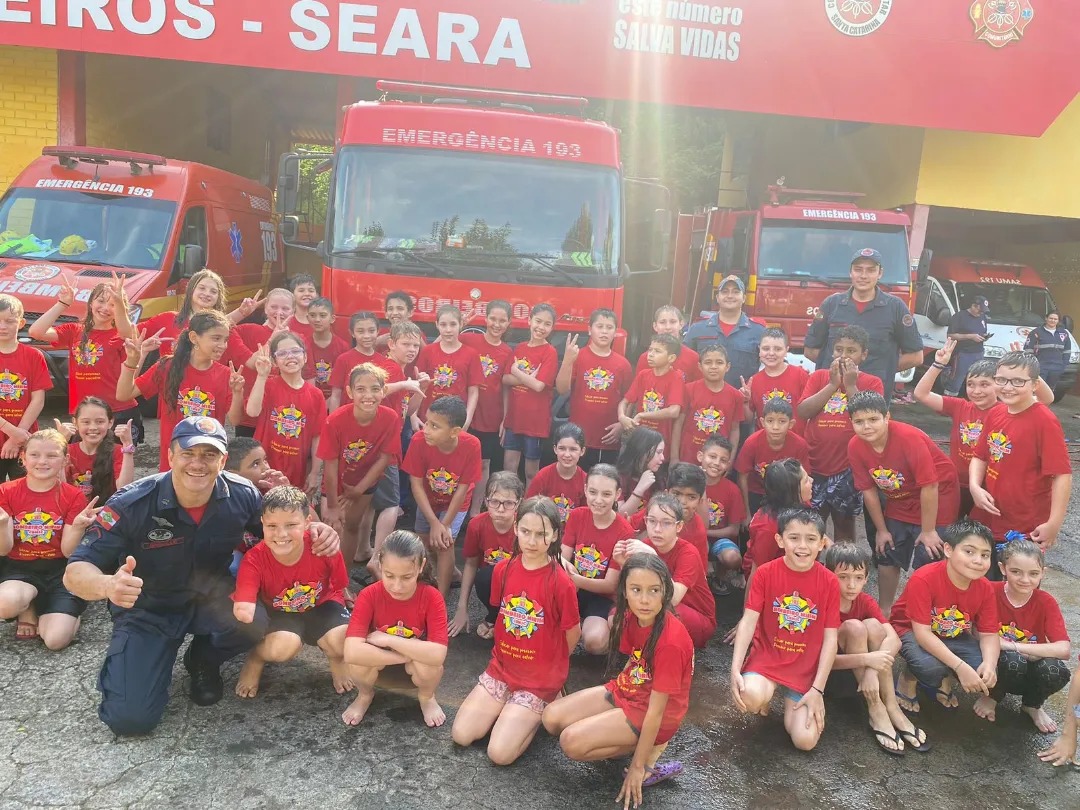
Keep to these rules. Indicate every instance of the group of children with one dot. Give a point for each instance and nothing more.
(670, 486)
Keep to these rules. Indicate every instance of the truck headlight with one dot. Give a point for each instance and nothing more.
(995, 351)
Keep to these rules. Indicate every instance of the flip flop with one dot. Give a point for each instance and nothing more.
(912, 700)
(661, 772)
(911, 740)
(881, 736)
(22, 635)
(936, 693)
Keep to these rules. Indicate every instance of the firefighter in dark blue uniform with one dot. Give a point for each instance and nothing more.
(968, 328)
(732, 329)
(895, 344)
(169, 538)
(1050, 343)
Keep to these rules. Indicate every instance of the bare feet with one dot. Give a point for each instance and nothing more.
(485, 631)
(434, 716)
(946, 693)
(26, 625)
(247, 686)
(358, 708)
(1043, 722)
(985, 707)
(342, 676)
(907, 693)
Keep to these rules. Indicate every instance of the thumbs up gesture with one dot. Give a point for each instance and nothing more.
(124, 587)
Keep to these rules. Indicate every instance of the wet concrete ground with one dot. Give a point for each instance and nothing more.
(288, 748)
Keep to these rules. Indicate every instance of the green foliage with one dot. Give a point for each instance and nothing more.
(478, 235)
(314, 194)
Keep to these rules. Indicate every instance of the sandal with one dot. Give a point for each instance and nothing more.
(911, 701)
(938, 695)
(880, 737)
(661, 773)
(911, 740)
(485, 631)
(22, 634)
(349, 598)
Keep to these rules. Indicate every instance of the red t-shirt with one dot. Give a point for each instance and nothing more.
(291, 418)
(443, 473)
(357, 447)
(38, 518)
(592, 546)
(301, 330)
(93, 371)
(931, 598)
(725, 504)
(1037, 622)
(762, 547)
(863, 607)
(909, 462)
(693, 532)
(756, 455)
(567, 494)
(202, 393)
(254, 335)
(528, 413)
(398, 401)
(795, 609)
(236, 352)
(536, 609)
(967, 425)
(22, 372)
(484, 542)
(684, 563)
(686, 364)
(452, 373)
(788, 385)
(669, 672)
(350, 359)
(597, 387)
(708, 413)
(422, 616)
(494, 362)
(80, 467)
(650, 393)
(296, 588)
(829, 431)
(1022, 451)
(321, 361)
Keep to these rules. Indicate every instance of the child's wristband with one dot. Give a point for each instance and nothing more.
(818, 691)
(939, 366)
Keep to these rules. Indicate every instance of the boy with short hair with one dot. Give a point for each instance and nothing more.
(668, 320)
(787, 636)
(687, 483)
(778, 379)
(1020, 476)
(303, 593)
(947, 621)
(398, 306)
(712, 407)
(773, 442)
(24, 379)
(656, 396)
(247, 458)
(824, 407)
(899, 463)
(325, 350)
(867, 647)
(304, 291)
(725, 510)
(364, 328)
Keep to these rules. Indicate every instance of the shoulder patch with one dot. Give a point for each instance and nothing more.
(908, 320)
(108, 517)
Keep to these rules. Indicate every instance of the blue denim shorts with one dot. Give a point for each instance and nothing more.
(789, 693)
(530, 445)
(423, 527)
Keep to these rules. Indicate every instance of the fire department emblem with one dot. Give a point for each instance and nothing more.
(192, 402)
(298, 597)
(999, 22)
(794, 613)
(496, 555)
(948, 623)
(652, 401)
(401, 631)
(837, 404)
(590, 562)
(521, 616)
(775, 393)
(717, 514)
(999, 446)
(598, 379)
(89, 354)
(1010, 632)
(322, 372)
(288, 422)
(970, 432)
(442, 482)
(887, 480)
(354, 451)
(445, 376)
(857, 18)
(12, 386)
(488, 365)
(635, 673)
(708, 420)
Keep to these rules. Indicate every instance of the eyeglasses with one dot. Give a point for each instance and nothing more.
(654, 523)
(283, 353)
(496, 505)
(1011, 382)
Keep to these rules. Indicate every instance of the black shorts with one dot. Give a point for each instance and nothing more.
(245, 431)
(593, 604)
(490, 447)
(138, 432)
(47, 576)
(311, 625)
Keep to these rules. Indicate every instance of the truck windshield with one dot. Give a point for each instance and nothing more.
(823, 252)
(84, 227)
(1010, 304)
(477, 214)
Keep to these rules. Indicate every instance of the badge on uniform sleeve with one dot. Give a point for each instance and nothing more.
(108, 517)
(908, 320)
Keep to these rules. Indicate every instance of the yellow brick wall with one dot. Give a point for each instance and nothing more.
(28, 95)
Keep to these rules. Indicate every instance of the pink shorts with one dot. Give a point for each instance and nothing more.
(501, 691)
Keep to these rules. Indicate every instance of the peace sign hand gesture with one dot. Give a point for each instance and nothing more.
(263, 364)
(249, 305)
(87, 516)
(116, 287)
(570, 355)
(236, 378)
(66, 296)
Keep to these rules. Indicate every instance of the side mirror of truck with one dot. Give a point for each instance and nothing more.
(660, 242)
(290, 228)
(288, 184)
(922, 272)
(942, 317)
(1067, 322)
(194, 260)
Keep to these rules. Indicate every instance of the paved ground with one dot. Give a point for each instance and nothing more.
(288, 748)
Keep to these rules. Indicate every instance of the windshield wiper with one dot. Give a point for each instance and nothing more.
(412, 253)
(543, 262)
(91, 262)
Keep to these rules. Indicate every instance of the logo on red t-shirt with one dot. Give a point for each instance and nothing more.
(652, 401)
(761, 468)
(36, 527)
(887, 480)
(590, 562)
(401, 631)
(83, 482)
(89, 354)
(634, 674)
(445, 376)
(776, 393)
(970, 432)
(495, 556)
(442, 481)
(488, 366)
(12, 386)
(524, 364)
(521, 616)
(948, 623)
(298, 597)
(194, 402)
(708, 420)
(322, 372)
(564, 505)
(794, 613)
(354, 451)
(837, 403)
(1011, 632)
(716, 514)
(288, 422)
(999, 445)
(598, 379)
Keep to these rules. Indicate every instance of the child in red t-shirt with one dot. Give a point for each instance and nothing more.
(787, 636)
(947, 621)
(398, 307)
(787, 486)
(588, 541)
(596, 377)
(656, 397)
(302, 593)
(399, 620)
(773, 442)
(535, 634)
(868, 645)
(289, 411)
(324, 349)
(488, 541)
(531, 377)
(247, 458)
(712, 407)
(42, 520)
(443, 464)
(278, 308)
(1035, 646)
(454, 368)
(687, 483)
(638, 712)
(777, 380)
(668, 320)
(364, 328)
(192, 382)
(725, 514)
(563, 481)
(304, 291)
(640, 466)
(103, 459)
(24, 379)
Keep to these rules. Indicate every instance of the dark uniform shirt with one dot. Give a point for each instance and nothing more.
(964, 323)
(178, 561)
(742, 344)
(1052, 348)
(888, 320)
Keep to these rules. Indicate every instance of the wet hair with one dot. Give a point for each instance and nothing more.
(778, 405)
(669, 309)
(666, 502)
(400, 295)
(603, 312)
(1021, 548)
(281, 337)
(174, 367)
(723, 442)
(639, 562)
(9, 303)
(359, 317)
(958, 532)
(777, 333)
(684, 474)
(102, 480)
(800, 515)
(322, 302)
(714, 348)
(1022, 360)
(301, 278)
(452, 407)
(449, 309)
(545, 508)
(403, 329)
(849, 555)
(570, 430)
(982, 368)
(868, 401)
(100, 291)
(378, 372)
(542, 308)
(499, 303)
(856, 334)
(669, 343)
(637, 451)
(286, 499)
(783, 483)
(50, 435)
(506, 481)
(604, 471)
(239, 449)
(187, 308)
(281, 291)
(408, 546)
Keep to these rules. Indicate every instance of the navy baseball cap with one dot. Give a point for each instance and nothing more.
(200, 430)
(738, 282)
(982, 301)
(867, 253)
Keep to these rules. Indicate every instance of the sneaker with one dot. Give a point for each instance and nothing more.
(207, 685)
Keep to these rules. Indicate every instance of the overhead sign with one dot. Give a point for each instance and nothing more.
(878, 61)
